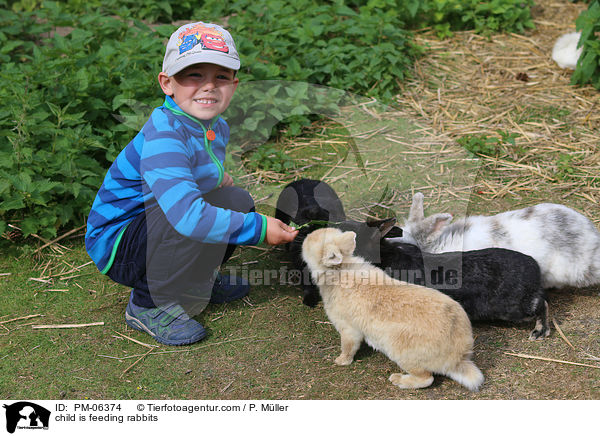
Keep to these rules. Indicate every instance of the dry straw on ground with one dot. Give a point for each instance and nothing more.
(473, 85)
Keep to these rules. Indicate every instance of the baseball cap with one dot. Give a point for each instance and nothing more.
(200, 42)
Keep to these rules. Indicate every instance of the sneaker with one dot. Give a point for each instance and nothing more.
(228, 288)
(169, 325)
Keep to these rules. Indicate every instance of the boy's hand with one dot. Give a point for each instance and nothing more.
(227, 181)
(278, 232)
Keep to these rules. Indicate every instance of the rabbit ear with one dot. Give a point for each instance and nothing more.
(384, 226)
(416, 209)
(393, 232)
(347, 242)
(332, 256)
(436, 222)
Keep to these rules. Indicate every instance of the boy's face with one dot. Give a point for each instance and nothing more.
(201, 90)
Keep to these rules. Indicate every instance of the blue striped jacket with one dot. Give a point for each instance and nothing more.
(169, 163)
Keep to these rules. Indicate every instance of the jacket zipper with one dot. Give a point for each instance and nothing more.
(216, 161)
(207, 142)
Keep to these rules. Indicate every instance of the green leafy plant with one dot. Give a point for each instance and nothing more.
(564, 166)
(480, 145)
(162, 11)
(588, 66)
(508, 138)
(364, 50)
(500, 16)
(319, 223)
(483, 17)
(60, 94)
(361, 49)
(269, 158)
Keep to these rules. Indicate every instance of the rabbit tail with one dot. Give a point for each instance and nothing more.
(467, 374)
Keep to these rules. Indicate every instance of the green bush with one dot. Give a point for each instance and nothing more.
(483, 17)
(269, 158)
(365, 51)
(60, 94)
(588, 66)
(71, 103)
(156, 11)
(449, 15)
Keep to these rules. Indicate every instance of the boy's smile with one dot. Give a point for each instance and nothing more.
(201, 90)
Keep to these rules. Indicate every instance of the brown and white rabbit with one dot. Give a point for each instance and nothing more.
(565, 244)
(420, 329)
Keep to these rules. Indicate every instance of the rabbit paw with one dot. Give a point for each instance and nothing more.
(343, 360)
(539, 334)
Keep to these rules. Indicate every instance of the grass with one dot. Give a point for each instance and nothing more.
(536, 114)
(270, 346)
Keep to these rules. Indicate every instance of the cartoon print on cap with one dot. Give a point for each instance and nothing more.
(208, 37)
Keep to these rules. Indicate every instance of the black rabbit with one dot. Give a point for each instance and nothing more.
(301, 202)
(491, 284)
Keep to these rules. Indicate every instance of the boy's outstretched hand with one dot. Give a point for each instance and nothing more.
(278, 232)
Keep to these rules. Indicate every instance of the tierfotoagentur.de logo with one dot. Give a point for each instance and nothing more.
(26, 416)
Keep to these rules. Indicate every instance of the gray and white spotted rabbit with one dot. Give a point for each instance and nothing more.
(565, 243)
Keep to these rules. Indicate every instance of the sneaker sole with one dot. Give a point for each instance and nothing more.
(136, 324)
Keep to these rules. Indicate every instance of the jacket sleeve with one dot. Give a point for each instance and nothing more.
(165, 167)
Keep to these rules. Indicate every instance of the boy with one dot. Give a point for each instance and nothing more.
(167, 215)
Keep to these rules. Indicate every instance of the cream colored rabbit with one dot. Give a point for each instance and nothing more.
(420, 329)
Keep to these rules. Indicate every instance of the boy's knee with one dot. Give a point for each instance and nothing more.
(231, 197)
(244, 201)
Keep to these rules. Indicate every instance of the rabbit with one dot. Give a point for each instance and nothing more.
(310, 291)
(420, 329)
(305, 200)
(301, 202)
(565, 244)
(492, 284)
(565, 52)
(496, 284)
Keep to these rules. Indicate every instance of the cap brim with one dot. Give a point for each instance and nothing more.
(216, 58)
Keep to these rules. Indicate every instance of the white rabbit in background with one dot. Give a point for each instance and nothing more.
(565, 244)
(565, 52)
